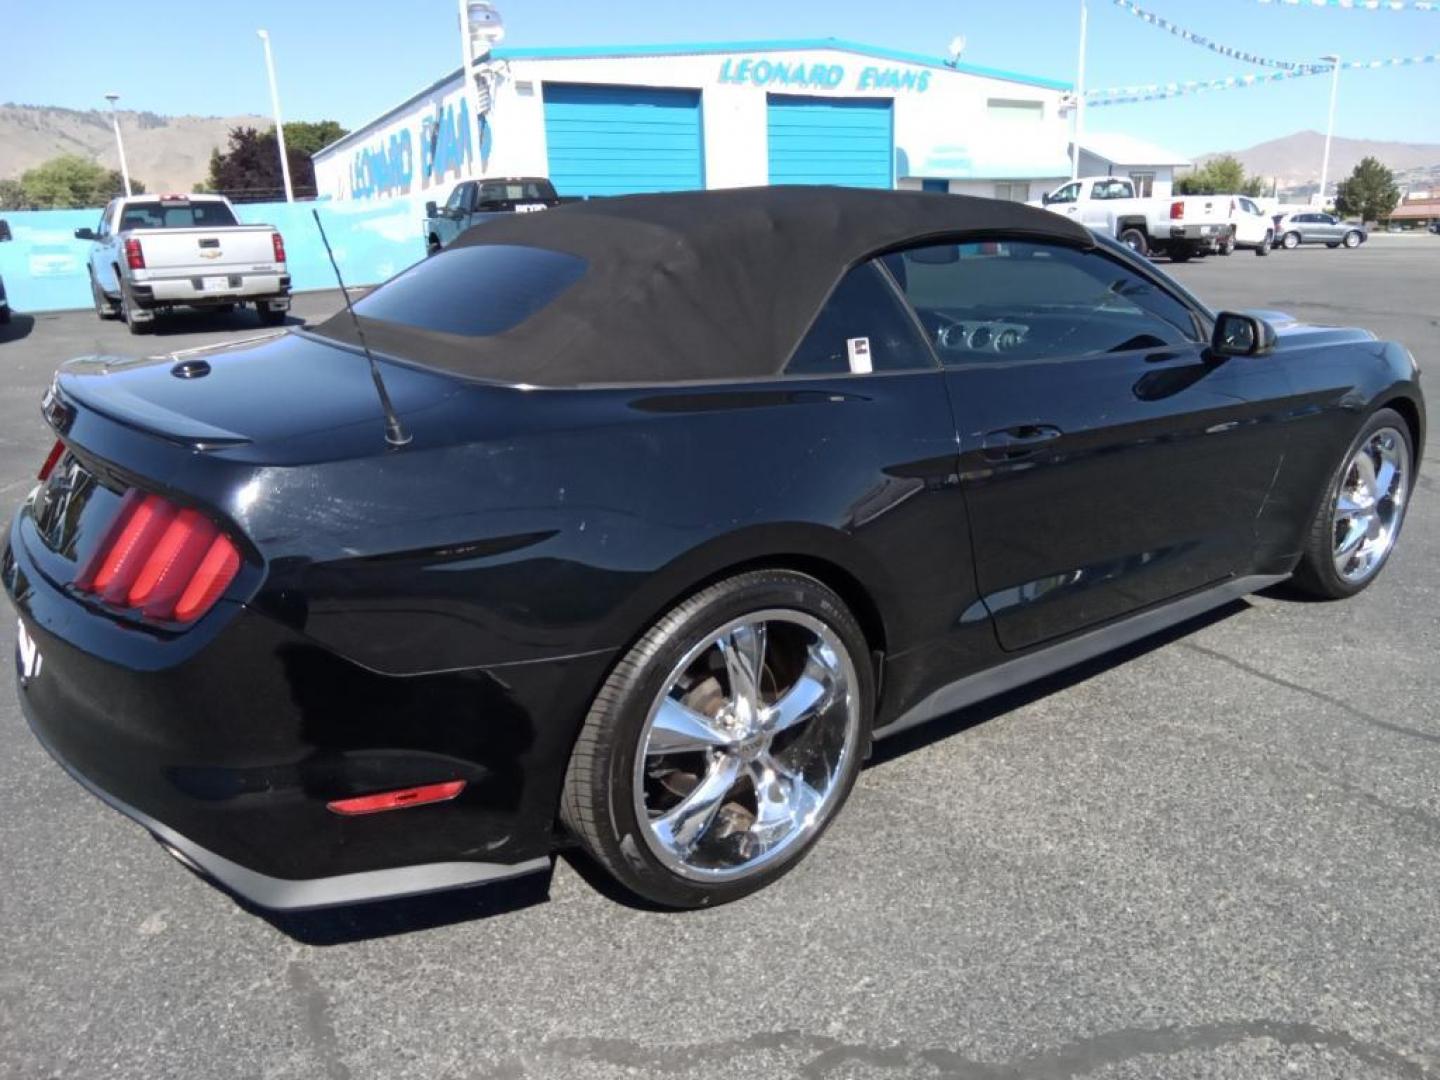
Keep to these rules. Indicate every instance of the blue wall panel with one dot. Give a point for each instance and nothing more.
(622, 140)
(846, 141)
(45, 267)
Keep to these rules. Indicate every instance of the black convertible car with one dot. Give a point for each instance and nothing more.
(651, 513)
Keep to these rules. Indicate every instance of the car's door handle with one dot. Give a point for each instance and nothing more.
(1013, 443)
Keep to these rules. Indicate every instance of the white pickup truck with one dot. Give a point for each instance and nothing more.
(1179, 226)
(152, 253)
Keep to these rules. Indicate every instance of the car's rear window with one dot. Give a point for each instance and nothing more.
(176, 215)
(474, 291)
(515, 191)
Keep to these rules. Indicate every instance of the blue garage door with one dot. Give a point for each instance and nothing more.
(619, 140)
(847, 141)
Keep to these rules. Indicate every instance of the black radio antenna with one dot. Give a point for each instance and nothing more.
(394, 433)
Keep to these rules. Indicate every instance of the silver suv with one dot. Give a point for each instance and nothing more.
(1312, 227)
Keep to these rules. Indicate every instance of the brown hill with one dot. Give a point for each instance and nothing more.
(1295, 159)
(168, 153)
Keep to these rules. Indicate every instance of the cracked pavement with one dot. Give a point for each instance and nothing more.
(1215, 855)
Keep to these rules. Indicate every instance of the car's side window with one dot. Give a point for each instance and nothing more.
(862, 328)
(459, 198)
(1007, 300)
(104, 229)
(1067, 194)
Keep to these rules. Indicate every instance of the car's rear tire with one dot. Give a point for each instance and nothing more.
(1266, 244)
(1359, 520)
(724, 742)
(1135, 240)
(1180, 254)
(1290, 241)
(1352, 239)
(1227, 245)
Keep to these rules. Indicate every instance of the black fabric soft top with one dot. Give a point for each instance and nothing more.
(707, 285)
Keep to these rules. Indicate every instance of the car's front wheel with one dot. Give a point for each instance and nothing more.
(1290, 241)
(1266, 244)
(1352, 239)
(724, 742)
(1359, 520)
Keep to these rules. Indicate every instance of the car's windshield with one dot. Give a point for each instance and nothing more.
(474, 291)
(175, 215)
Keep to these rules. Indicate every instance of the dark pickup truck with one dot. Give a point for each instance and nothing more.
(473, 201)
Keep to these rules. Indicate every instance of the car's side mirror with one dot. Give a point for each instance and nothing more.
(84, 234)
(430, 208)
(1047, 199)
(1241, 335)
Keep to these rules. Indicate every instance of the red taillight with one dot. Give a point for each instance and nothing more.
(134, 254)
(398, 800)
(51, 460)
(1177, 211)
(279, 242)
(170, 563)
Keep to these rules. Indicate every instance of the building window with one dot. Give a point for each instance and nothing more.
(940, 186)
(1144, 183)
(1013, 191)
(1015, 111)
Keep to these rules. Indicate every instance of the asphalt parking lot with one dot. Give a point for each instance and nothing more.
(1217, 855)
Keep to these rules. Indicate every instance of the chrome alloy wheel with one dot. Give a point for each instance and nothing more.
(1370, 504)
(743, 753)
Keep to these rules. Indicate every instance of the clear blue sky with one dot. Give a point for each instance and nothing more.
(349, 61)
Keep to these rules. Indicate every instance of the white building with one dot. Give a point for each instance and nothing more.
(1151, 167)
(605, 121)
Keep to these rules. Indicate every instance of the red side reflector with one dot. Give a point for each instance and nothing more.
(56, 452)
(399, 799)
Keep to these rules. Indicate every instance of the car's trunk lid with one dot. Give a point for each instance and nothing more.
(259, 391)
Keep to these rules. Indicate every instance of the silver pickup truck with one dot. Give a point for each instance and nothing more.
(152, 253)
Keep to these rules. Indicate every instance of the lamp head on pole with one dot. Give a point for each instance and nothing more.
(112, 98)
(263, 35)
(484, 28)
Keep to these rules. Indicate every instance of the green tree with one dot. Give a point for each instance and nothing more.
(250, 165)
(12, 195)
(70, 182)
(1220, 176)
(1369, 193)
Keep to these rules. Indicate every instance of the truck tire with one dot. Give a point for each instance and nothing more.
(105, 308)
(1227, 245)
(1180, 253)
(127, 312)
(1135, 240)
(1266, 245)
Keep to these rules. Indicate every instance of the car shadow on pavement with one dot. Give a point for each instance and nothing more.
(18, 327)
(964, 719)
(212, 322)
(388, 918)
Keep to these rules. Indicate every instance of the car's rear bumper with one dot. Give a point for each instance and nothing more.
(1197, 234)
(230, 741)
(287, 894)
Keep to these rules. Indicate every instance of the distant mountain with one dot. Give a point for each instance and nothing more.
(1295, 160)
(168, 153)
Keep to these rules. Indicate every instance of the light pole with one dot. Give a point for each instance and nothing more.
(1079, 97)
(1330, 127)
(481, 28)
(279, 124)
(119, 142)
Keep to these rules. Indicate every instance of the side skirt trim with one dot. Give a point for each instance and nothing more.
(1050, 659)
